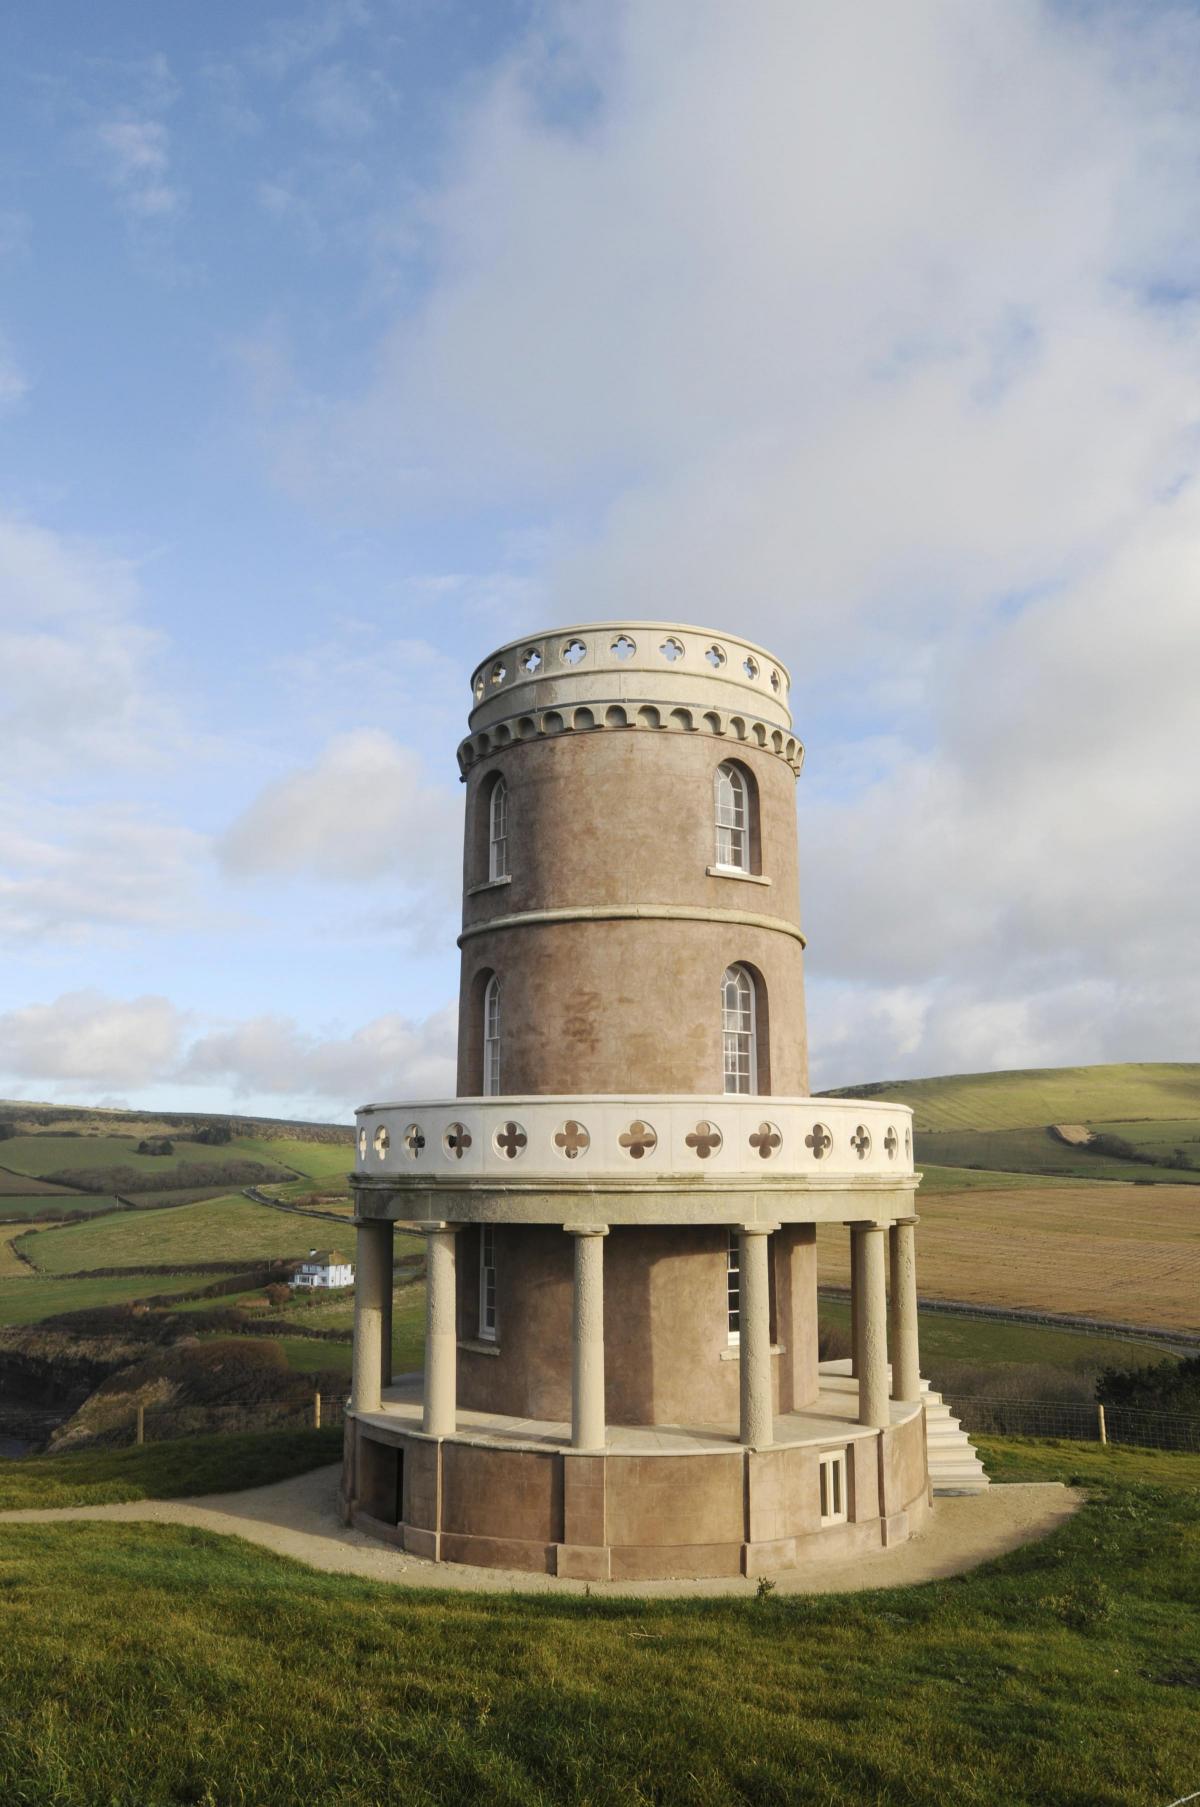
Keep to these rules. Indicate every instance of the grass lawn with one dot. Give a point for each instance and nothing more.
(26, 1301)
(945, 1338)
(1047, 1095)
(152, 1664)
(231, 1228)
(164, 1471)
(20, 1185)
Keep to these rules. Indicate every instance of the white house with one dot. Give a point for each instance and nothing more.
(324, 1267)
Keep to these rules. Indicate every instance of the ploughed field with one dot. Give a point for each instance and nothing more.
(1013, 1215)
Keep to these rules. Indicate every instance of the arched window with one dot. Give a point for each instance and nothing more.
(732, 809)
(738, 1028)
(491, 1038)
(498, 831)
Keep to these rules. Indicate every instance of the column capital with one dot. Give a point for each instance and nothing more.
(866, 1223)
(904, 1223)
(756, 1229)
(585, 1229)
(431, 1226)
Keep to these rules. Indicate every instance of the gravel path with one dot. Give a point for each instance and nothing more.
(299, 1518)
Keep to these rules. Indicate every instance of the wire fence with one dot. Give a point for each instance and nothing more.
(1077, 1420)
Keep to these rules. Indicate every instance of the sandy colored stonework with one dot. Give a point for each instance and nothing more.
(298, 1518)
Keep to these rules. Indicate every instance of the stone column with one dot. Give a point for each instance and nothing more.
(870, 1284)
(441, 1331)
(385, 1321)
(372, 1273)
(906, 1362)
(754, 1307)
(853, 1298)
(587, 1339)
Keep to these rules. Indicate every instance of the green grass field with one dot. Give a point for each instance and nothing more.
(1063, 1674)
(935, 1178)
(1034, 1150)
(1014, 1100)
(993, 1341)
(27, 1301)
(314, 1160)
(13, 1207)
(221, 1229)
(60, 1154)
(20, 1185)
(164, 1471)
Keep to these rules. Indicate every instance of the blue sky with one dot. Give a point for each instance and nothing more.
(341, 342)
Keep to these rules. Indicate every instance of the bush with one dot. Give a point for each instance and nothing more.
(278, 1294)
(1168, 1386)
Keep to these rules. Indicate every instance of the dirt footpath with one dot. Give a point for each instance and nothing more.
(298, 1518)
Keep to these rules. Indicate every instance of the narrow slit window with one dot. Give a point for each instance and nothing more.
(498, 831)
(833, 1488)
(733, 1287)
(487, 1283)
(732, 818)
(491, 1038)
(738, 1030)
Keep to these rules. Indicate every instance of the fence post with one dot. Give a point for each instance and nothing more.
(317, 1411)
(140, 1433)
(1100, 1424)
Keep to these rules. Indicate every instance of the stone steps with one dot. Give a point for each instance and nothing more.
(954, 1466)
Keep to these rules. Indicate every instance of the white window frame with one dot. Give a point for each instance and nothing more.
(739, 1032)
(731, 812)
(733, 1289)
(491, 1038)
(487, 1283)
(832, 1471)
(498, 866)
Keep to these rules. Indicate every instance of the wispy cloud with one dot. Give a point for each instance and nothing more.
(135, 160)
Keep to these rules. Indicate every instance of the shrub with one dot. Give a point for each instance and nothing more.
(1167, 1386)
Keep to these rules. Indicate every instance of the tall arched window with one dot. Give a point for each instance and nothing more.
(498, 831)
(732, 809)
(491, 1038)
(738, 1028)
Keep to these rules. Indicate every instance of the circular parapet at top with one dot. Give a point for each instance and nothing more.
(659, 662)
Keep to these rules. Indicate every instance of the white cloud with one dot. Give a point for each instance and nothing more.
(84, 1039)
(366, 809)
(76, 665)
(874, 330)
(135, 160)
(72, 874)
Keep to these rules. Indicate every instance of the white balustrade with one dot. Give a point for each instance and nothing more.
(584, 1139)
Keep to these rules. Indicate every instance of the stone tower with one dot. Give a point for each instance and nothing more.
(621, 1204)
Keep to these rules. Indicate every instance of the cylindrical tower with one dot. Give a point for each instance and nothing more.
(622, 1202)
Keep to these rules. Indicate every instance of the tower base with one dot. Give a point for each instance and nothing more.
(657, 1503)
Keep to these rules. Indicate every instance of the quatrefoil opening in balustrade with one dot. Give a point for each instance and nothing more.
(860, 1141)
(671, 649)
(891, 1143)
(767, 1140)
(715, 655)
(456, 1141)
(414, 1141)
(706, 1138)
(623, 647)
(530, 660)
(750, 667)
(573, 652)
(820, 1141)
(572, 1139)
(499, 672)
(908, 1144)
(509, 1140)
(639, 1139)
(362, 1144)
(383, 1140)
(776, 682)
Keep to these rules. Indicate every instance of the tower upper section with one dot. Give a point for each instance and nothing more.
(631, 909)
(630, 674)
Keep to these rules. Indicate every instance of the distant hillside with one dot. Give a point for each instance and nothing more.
(25, 1116)
(1039, 1096)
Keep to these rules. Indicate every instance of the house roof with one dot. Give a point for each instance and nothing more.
(324, 1258)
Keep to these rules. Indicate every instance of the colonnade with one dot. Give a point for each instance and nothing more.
(874, 1313)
